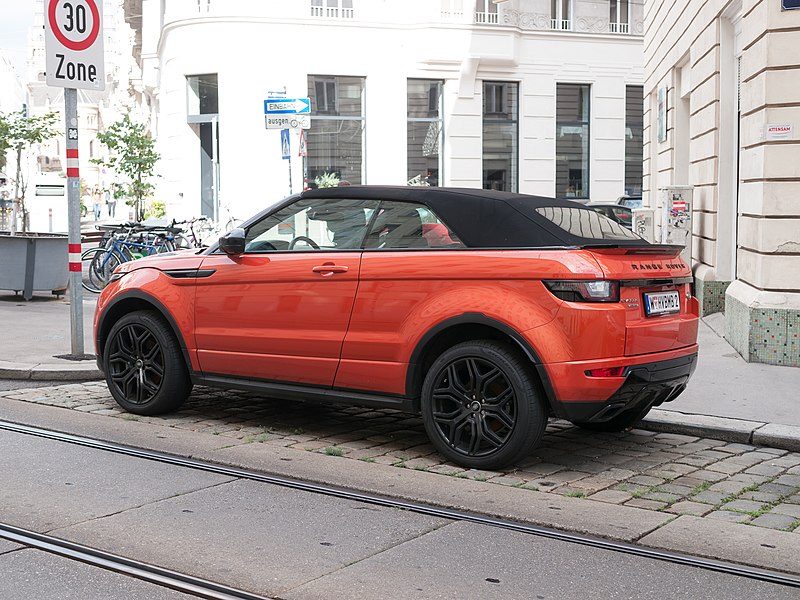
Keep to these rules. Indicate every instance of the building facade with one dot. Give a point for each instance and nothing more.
(722, 112)
(532, 96)
(12, 99)
(46, 163)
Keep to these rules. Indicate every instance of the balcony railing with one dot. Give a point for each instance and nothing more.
(452, 15)
(619, 27)
(331, 12)
(562, 24)
(486, 17)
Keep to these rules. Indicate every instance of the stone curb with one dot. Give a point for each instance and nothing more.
(757, 433)
(69, 371)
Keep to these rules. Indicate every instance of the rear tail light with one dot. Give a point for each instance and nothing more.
(606, 372)
(585, 291)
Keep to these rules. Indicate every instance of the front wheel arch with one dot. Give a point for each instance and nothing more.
(143, 366)
(135, 301)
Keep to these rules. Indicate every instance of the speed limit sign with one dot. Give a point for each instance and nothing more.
(74, 44)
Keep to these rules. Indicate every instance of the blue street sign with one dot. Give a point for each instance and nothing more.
(285, 144)
(287, 106)
(790, 4)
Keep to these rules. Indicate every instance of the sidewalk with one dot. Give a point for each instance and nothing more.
(35, 333)
(727, 397)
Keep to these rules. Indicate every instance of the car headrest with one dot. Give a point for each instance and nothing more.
(326, 214)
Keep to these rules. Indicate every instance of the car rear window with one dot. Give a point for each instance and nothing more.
(586, 223)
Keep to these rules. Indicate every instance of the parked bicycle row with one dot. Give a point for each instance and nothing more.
(133, 240)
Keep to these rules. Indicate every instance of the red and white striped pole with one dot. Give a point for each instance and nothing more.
(74, 222)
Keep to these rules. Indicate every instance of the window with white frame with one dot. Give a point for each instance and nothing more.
(634, 139)
(332, 9)
(572, 140)
(424, 132)
(325, 95)
(500, 135)
(561, 14)
(618, 20)
(452, 9)
(485, 11)
(335, 142)
(202, 115)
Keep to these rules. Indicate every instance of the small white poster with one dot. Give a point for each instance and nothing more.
(779, 131)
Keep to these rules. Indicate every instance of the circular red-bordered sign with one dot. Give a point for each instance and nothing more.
(76, 45)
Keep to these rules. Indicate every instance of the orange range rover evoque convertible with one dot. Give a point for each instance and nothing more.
(487, 312)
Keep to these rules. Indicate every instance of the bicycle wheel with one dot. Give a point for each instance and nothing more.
(165, 245)
(181, 242)
(88, 259)
(103, 267)
(97, 264)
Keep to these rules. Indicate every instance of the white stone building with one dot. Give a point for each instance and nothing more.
(46, 199)
(11, 93)
(532, 96)
(728, 76)
(12, 99)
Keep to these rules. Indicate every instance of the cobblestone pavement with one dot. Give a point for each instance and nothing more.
(672, 473)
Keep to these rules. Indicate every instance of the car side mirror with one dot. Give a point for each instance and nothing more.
(232, 243)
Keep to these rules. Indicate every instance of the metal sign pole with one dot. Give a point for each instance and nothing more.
(286, 152)
(74, 222)
(290, 176)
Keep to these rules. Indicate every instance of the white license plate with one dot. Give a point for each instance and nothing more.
(662, 303)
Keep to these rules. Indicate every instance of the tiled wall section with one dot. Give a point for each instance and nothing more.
(711, 295)
(765, 335)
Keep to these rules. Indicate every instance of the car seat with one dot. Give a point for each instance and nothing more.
(347, 226)
(398, 227)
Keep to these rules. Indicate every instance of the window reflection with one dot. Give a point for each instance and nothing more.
(572, 140)
(500, 146)
(424, 132)
(335, 141)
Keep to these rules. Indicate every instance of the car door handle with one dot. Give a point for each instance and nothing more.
(327, 270)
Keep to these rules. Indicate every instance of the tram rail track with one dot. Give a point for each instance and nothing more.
(208, 589)
(180, 582)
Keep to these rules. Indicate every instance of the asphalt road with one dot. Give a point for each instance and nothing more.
(292, 544)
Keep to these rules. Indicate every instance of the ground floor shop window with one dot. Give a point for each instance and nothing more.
(634, 139)
(202, 110)
(572, 140)
(500, 135)
(424, 132)
(335, 142)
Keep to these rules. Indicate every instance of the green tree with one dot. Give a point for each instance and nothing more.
(17, 132)
(132, 154)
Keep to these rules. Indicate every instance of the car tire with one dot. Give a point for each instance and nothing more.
(482, 405)
(624, 420)
(144, 367)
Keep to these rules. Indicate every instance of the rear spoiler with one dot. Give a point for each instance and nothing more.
(671, 250)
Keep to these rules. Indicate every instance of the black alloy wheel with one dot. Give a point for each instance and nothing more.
(481, 405)
(144, 368)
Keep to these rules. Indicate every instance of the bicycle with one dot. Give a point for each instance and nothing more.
(193, 236)
(98, 263)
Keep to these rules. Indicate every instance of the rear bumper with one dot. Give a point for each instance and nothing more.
(642, 386)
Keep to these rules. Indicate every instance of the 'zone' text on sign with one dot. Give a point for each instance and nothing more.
(75, 71)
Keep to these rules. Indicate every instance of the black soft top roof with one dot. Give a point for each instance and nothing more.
(487, 218)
